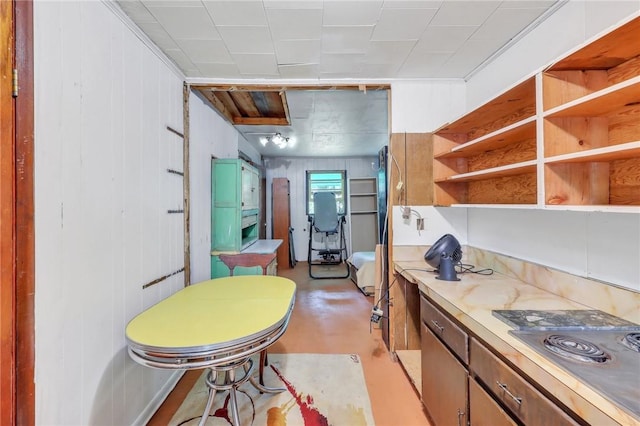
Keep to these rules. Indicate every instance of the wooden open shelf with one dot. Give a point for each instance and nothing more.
(589, 148)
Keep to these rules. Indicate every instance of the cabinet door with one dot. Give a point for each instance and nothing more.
(483, 410)
(250, 188)
(444, 382)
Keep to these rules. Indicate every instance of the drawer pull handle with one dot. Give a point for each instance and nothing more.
(460, 416)
(504, 387)
(438, 326)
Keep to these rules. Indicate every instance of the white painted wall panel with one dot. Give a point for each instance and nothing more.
(210, 136)
(437, 222)
(571, 26)
(602, 246)
(424, 106)
(103, 102)
(295, 169)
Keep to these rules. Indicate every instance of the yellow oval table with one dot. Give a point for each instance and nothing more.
(218, 325)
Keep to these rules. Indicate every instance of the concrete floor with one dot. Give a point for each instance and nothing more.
(332, 316)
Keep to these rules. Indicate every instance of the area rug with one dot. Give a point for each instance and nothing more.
(321, 390)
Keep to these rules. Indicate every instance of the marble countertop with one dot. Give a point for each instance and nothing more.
(472, 300)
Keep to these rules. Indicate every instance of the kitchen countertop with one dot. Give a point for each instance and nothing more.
(258, 247)
(472, 300)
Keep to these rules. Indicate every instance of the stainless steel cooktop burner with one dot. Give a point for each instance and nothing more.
(575, 348)
(632, 341)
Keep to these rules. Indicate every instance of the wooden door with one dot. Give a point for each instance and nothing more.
(281, 218)
(444, 382)
(7, 217)
(17, 250)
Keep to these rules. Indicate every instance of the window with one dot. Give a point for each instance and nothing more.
(327, 181)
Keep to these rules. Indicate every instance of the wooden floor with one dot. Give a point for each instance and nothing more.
(332, 316)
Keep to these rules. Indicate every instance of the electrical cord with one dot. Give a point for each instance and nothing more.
(466, 268)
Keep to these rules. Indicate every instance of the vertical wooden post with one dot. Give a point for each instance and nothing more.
(186, 90)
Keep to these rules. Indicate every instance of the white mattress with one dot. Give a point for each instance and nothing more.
(365, 263)
(359, 258)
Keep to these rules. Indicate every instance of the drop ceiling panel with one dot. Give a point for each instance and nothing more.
(352, 39)
(292, 52)
(402, 24)
(206, 51)
(247, 39)
(335, 40)
(186, 22)
(237, 13)
(467, 13)
(351, 13)
(287, 24)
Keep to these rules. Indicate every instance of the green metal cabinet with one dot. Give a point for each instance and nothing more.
(235, 187)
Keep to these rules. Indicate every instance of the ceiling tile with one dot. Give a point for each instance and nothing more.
(471, 55)
(158, 34)
(172, 3)
(351, 12)
(186, 22)
(237, 13)
(220, 70)
(256, 64)
(424, 65)
(383, 52)
(293, 4)
(527, 4)
(298, 52)
(402, 24)
(247, 39)
(444, 39)
(346, 39)
(206, 51)
(182, 60)
(464, 12)
(299, 71)
(412, 4)
(504, 23)
(136, 11)
(336, 62)
(289, 24)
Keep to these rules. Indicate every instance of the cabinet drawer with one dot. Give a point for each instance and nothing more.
(483, 410)
(524, 401)
(452, 335)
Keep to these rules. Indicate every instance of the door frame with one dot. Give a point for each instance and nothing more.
(17, 295)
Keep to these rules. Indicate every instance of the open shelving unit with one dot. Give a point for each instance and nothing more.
(573, 129)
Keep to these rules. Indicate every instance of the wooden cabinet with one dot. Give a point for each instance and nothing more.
(483, 410)
(234, 210)
(444, 382)
(363, 213)
(461, 377)
(489, 155)
(566, 136)
(523, 400)
(591, 110)
(281, 219)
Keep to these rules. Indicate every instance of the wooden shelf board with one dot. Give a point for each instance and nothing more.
(601, 103)
(411, 362)
(607, 208)
(495, 172)
(606, 52)
(498, 206)
(518, 131)
(518, 97)
(605, 154)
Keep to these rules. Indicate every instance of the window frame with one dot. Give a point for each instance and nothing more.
(341, 203)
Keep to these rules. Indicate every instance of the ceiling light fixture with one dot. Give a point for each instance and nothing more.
(277, 139)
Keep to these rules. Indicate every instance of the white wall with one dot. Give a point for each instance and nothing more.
(209, 136)
(295, 169)
(423, 106)
(603, 246)
(571, 26)
(102, 191)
